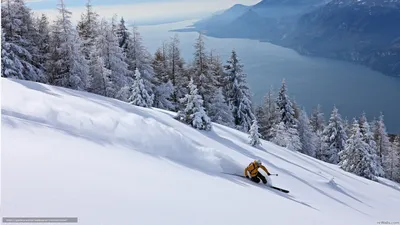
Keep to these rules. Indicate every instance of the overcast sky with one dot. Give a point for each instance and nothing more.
(141, 10)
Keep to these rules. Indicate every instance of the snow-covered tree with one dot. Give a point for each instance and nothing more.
(20, 37)
(175, 69)
(201, 72)
(286, 137)
(238, 94)
(194, 112)
(333, 139)
(254, 134)
(356, 156)
(163, 86)
(123, 35)
(114, 60)
(268, 116)
(140, 96)
(88, 29)
(139, 58)
(219, 110)
(368, 137)
(67, 67)
(317, 120)
(286, 115)
(285, 107)
(11, 66)
(382, 141)
(394, 161)
(43, 39)
(99, 75)
(308, 139)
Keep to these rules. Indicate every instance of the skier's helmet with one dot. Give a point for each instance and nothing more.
(258, 162)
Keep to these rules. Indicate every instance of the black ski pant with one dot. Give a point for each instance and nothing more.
(259, 177)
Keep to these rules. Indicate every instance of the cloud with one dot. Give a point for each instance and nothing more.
(147, 11)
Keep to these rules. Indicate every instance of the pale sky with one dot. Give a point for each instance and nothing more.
(140, 10)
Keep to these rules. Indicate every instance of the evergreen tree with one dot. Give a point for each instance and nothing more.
(333, 138)
(356, 157)
(286, 115)
(194, 112)
(43, 40)
(201, 71)
(139, 58)
(382, 141)
(394, 160)
(123, 35)
(114, 60)
(99, 78)
(254, 135)
(368, 137)
(238, 94)
(139, 96)
(164, 88)
(175, 69)
(11, 66)
(317, 120)
(88, 30)
(219, 111)
(268, 116)
(308, 139)
(67, 67)
(20, 34)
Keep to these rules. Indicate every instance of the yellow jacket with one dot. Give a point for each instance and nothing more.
(253, 169)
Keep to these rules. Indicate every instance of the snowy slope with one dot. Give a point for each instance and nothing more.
(73, 154)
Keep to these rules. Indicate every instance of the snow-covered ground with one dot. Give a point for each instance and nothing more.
(73, 154)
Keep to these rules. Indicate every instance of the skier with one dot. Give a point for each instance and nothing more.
(255, 175)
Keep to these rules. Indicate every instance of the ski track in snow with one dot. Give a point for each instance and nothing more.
(69, 153)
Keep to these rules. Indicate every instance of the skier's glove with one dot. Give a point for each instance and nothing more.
(247, 176)
(269, 174)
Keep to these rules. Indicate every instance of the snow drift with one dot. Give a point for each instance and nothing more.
(73, 154)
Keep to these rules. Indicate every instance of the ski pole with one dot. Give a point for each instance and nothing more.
(273, 174)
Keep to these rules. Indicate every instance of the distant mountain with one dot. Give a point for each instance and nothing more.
(361, 31)
(367, 32)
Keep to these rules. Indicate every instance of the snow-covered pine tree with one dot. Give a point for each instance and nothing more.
(368, 137)
(268, 116)
(176, 71)
(123, 35)
(194, 112)
(356, 157)
(140, 96)
(163, 86)
(11, 66)
(201, 72)
(394, 160)
(139, 58)
(217, 69)
(286, 115)
(99, 75)
(43, 40)
(20, 34)
(238, 94)
(333, 138)
(382, 141)
(254, 134)
(114, 60)
(67, 67)
(88, 29)
(219, 111)
(317, 120)
(308, 139)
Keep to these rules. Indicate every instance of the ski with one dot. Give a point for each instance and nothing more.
(280, 189)
(273, 187)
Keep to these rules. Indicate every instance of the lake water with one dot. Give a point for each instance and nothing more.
(311, 81)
